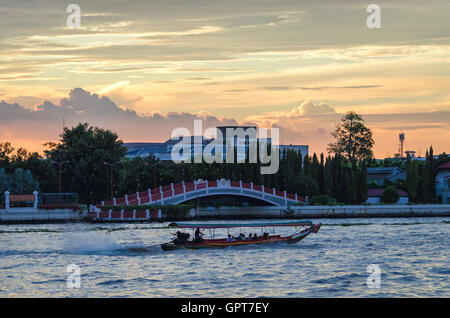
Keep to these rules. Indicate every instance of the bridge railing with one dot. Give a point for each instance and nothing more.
(158, 195)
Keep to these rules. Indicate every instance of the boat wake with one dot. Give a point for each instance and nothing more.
(97, 243)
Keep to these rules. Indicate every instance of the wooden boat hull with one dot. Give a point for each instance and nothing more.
(222, 243)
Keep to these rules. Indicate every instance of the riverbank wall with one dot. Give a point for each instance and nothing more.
(344, 211)
(30, 216)
(37, 216)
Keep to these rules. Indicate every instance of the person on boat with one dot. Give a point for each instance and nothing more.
(229, 238)
(198, 235)
(255, 236)
(250, 238)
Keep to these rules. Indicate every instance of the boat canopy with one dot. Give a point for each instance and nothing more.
(228, 225)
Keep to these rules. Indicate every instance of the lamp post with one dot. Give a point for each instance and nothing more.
(59, 164)
(111, 165)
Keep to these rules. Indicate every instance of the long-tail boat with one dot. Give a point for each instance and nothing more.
(182, 240)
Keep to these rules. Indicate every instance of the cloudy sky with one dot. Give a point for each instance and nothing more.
(143, 68)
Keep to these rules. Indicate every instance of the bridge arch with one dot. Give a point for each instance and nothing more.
(185, 191)
(206, 195)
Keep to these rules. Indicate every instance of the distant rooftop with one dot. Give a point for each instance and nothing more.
(379, 175)
(383, 170)
(162, 150)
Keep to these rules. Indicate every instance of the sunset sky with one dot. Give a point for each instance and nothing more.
(143, 68)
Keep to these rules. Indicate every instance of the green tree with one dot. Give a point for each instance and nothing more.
(4, 182)
(361, 183)
(353, 139)
(390, 195)
(412, 179)
(85, 149)
(6, 151)
(42, 170)
(22, 182)
(323, 200)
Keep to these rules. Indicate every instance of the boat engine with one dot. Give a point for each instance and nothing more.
(181, 238)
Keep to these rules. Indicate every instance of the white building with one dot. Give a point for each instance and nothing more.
(443, 183)
(379, 175)
(162, 150)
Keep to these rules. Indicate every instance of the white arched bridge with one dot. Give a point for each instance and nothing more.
(185, 191)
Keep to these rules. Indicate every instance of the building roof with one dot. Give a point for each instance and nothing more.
(385, 173)
(379, 192)
(162, 150)
(445, 166)
(384, 170)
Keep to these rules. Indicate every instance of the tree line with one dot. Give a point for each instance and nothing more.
(84, 156)
(420, 183)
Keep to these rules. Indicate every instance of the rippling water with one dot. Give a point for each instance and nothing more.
(116, 260)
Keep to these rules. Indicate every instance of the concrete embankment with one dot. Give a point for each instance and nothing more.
(36, 216)
(345, 211)
(30, 216)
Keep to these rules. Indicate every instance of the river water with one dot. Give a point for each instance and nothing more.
(115, 260)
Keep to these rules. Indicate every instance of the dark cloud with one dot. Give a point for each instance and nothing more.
(45, 121)
(412, 120)
(321, 88)
(416, 127)
(316, 88)
(277, 88)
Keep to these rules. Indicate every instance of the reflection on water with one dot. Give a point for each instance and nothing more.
(124, 260)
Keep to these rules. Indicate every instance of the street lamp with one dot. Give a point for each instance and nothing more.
(59, 164)
(111, 165)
